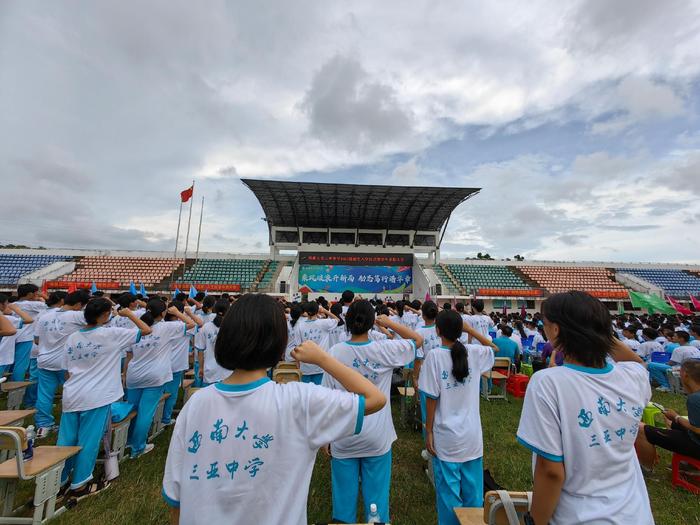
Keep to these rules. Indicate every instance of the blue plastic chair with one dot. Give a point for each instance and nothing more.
(660, 357)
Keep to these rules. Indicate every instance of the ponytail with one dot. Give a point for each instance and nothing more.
(154, 308)
(460, 361)
(220, 308)
(148, 318)
(294, 314)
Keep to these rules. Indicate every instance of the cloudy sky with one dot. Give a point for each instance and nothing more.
(580, 120)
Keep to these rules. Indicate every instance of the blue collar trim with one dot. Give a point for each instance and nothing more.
(89, 329)
(225, 387)
(590, 370)
(428, 326)
(357, 344)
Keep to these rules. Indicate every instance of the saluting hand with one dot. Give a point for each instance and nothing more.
(309, 352)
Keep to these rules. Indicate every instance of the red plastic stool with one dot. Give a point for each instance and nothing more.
(676, 477)
(517, 384)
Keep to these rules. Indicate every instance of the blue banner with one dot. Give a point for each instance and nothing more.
(359, 279)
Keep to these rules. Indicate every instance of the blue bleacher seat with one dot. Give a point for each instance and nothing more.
(12, 267)
(676, 283)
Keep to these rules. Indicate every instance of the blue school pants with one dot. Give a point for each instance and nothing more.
(172, 388)
(457, 485)
(145, 401)
(316, 379)
(197, 381)
(31, 393)
(657, 371)
(83, 429)
(375, 473)
(49, 381)
(22, 354)
(423, 411)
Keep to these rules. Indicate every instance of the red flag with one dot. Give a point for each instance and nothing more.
(678, 306)
(696, 303)
(427, 296)
(72, 287)
(187, 194)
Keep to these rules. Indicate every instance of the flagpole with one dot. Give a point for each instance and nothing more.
(187, 238)
(177, 236)
(199, 233)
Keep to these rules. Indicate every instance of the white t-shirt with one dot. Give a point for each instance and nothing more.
(376, 361)
(589, 419)
(35, 348)
(482, 323)
(695, 343)
(205, 341)
(151, 362)
(7, 343)
(93, 360)
(646, 348)
(632, 343)
(457, 424)
(33, 309)
(318, 331)
(53, 329)
(409, 320)
(430, 340)
(245, 453)
(683, 353)
(180, 348)
(337, 335)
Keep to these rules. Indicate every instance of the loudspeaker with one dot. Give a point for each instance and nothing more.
(283, 287)
(438, 289)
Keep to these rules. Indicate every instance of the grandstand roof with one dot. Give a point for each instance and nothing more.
(318, 205)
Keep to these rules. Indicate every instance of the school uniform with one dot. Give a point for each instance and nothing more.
(457, 436)
(25, 339)
(32, 392)
(588, 418)
(431, 341)
(8, 343)
(92, 358)
(482, 323)
(368, 454)
(631, 343)
(245, 453)
(52, 330)
(647, 348)
(318, 331)
(180, 363)
(205, 341)
(205, 319)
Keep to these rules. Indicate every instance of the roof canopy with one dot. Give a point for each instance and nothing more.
(317, 205)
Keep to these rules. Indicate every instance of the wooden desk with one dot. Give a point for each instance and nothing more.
(470, 515)
(13, 418)
(15, 392)
(44, 458)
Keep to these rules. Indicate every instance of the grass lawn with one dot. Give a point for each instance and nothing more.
(135, 496)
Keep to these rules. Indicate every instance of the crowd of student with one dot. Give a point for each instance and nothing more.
(243, 447)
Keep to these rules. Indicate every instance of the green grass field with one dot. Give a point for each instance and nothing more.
(135, 496)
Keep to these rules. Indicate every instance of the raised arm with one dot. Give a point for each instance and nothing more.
(21, 313)
(621, 352)
(189, 323)
(404, 331)
(466, 327)
(7, 329)
(327, 313)
(145, 329)
(352, 381)
(197, 320)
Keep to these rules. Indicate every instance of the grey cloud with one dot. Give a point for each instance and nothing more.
(347, 107)
(631, 227)
(572, 239)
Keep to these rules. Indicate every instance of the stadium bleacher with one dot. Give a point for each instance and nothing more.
(12, 267)
(446, 280)
(676, 283)
(146, 270)
(595, 280)
(230, 271)
(473, 277)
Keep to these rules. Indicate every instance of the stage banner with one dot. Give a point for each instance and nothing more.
(361, 273)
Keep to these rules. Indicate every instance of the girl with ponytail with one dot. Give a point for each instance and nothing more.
(367, 455)
(204, 343)
(148, 368)
(449, 379)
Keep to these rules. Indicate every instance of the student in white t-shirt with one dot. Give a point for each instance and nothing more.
(149, 369)
(205, 341)
(32, 302)
(429, 312)
(243, 450)
(312, 328)
(695, 334)
(629, 338)
(449, 381)
(15, 318)
(7, 327)
(649, 344)
(295, 314)
(51, 333)
(92, 358)
(339, 333)
(580, 420)
(479, 321)
(179, 355)
(367, 455)
(206, 314)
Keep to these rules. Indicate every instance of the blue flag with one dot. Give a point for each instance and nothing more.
(93, 288)
(142, 291)
(193, 291)
(177, 291)
(206, 292)
(132, 288)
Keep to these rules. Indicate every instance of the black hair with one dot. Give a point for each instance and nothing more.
(382, 309)
(96, 308)
(506, 330)
(177, 304)
(253, 334)
(78, 297)
(429, 310)
(181, 297)
(26, 289)
(199, 296)
(208, 303)
(126, 299)
(416, 304)
(154, 308)
(459, 307)
(399, 308)
(692, 369)
(311, 308)
(56, 297)
(520, 329)
(4, 298)
(478, 305)
(337, 310)
(348, 296)
(650, 333)
(449, 326)
(585, 326)
(683, 335)
(447, 306)
(295, 312)
(360, 317)
(220, 308)
(98, 293)
(695, 328)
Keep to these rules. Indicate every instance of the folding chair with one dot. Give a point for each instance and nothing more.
(500, 365)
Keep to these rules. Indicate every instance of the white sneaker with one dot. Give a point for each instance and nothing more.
(43, 432)
(146, 450)
(426, 455)
(663, 389)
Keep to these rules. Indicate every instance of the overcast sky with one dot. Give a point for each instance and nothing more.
(580, 120)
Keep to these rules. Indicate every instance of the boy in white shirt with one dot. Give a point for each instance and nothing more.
(243, 450)
(31, 301)
(481, 322)
(312, 328)
(17, 318)
(204, 343)
(580, 421)
(628, 338)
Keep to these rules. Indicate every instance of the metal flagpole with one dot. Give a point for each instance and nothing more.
(187, 238)
(177, 236)
(199, 233)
